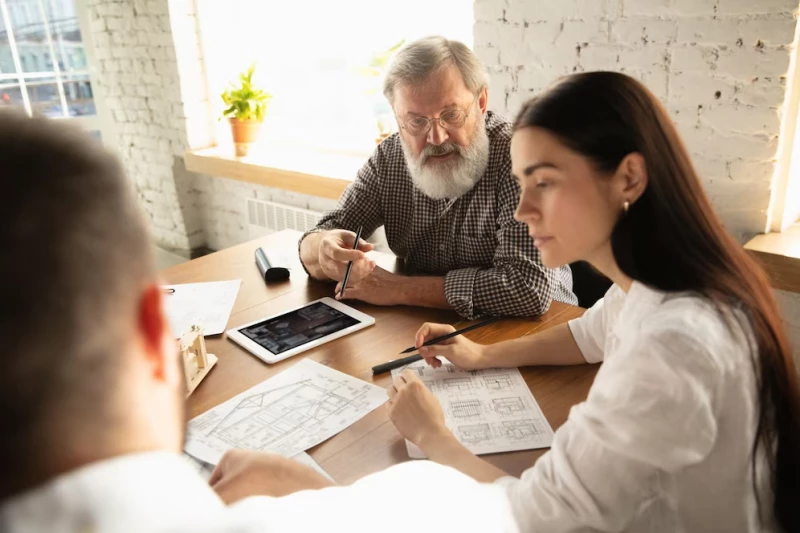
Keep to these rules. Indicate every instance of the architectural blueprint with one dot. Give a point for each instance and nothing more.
(286, 414)
(489, 411)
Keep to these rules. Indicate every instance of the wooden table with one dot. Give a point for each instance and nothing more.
(372, 443)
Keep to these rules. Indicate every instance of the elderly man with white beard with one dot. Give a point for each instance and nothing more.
(442, 188)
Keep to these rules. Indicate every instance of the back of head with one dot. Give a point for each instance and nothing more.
(672, 240)
(417, 61)
(75, 258)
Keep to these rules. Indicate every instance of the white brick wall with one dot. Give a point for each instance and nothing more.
(718, 65)
(222, 204)
(157, 103)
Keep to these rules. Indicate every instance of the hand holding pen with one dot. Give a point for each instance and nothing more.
(350, 264)
(337, 251)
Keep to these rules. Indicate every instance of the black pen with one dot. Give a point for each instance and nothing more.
(350, 264)
(437, 340)
(397, 363)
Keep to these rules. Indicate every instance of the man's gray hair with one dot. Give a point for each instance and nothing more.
(417, 61)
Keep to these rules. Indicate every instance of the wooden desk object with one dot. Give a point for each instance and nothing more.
(372, 443)
(197, 363)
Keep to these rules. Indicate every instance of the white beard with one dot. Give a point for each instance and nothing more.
(454, 178)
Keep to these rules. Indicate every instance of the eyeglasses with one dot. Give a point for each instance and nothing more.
(450, 120)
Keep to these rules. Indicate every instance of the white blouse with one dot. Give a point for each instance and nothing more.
(663, 441)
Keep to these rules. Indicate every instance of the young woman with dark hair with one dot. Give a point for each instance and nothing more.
(693, 421)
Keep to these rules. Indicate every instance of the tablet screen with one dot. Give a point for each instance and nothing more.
(298, 327)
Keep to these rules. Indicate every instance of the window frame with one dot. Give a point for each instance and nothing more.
(101, 120)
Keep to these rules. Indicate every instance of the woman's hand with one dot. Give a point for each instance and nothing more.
(415, 411)
(462, 352)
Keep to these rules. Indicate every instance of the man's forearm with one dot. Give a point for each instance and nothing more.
(309, 254)
(422, 291)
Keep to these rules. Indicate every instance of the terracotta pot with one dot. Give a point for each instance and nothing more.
(245, 133)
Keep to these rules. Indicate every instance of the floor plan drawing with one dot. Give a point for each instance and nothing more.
(286, 414)
(520, 429)
(466, 408)
(458, 384)
(508, 406)
(489, 411)
(476, 434)
(498, 382)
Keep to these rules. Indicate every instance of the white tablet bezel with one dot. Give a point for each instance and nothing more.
(265, 355)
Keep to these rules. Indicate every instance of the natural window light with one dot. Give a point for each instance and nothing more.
(312, 57)
(43, 61)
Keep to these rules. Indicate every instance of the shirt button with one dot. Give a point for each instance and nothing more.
(441, 247)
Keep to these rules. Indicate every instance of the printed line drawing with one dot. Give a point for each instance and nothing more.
(520, 429)
(491, 410)
(466, 408)
(475, 434)
(508, 406)
(286, 414)
(498, 382)
(457, 384)
(259, 421)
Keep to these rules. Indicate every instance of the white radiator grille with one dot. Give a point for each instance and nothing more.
(268, 217)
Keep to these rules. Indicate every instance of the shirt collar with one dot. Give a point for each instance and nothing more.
(127, 493)
(640, 301)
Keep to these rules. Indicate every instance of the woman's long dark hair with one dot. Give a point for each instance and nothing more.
(672, 240)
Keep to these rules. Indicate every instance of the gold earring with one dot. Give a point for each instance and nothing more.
(625, 206)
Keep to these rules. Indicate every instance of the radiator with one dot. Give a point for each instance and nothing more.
(268, 217)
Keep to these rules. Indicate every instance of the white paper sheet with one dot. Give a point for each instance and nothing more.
(489, 411)
(206, 304)
(286, 414)
(204, 469)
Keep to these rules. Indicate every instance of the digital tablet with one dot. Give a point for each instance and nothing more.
(280, 336)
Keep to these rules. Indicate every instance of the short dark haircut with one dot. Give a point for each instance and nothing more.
(74, 259)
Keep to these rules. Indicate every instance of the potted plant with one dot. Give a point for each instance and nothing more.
(245, 109)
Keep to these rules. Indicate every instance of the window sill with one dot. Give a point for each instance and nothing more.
(304, 170)
(779, 253)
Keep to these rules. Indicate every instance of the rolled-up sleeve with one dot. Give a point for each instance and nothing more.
(650, 412)
(517, 284)
(590, 330)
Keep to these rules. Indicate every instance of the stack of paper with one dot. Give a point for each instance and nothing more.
(208, 305)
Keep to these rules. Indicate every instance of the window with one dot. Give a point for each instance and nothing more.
(312, 56)
(43, 61)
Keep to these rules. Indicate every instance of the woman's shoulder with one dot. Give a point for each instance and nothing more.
(718, 331)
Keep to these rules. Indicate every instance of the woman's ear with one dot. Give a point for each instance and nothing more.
(632, 176)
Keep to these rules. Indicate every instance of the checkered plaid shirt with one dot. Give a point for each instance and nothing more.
(488, 259)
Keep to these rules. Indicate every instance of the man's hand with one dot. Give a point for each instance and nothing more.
(243, 473)
(380, 287)
(336, 250)
(415, 411)
(326, 255)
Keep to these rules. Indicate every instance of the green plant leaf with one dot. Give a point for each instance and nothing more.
(244, 101)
